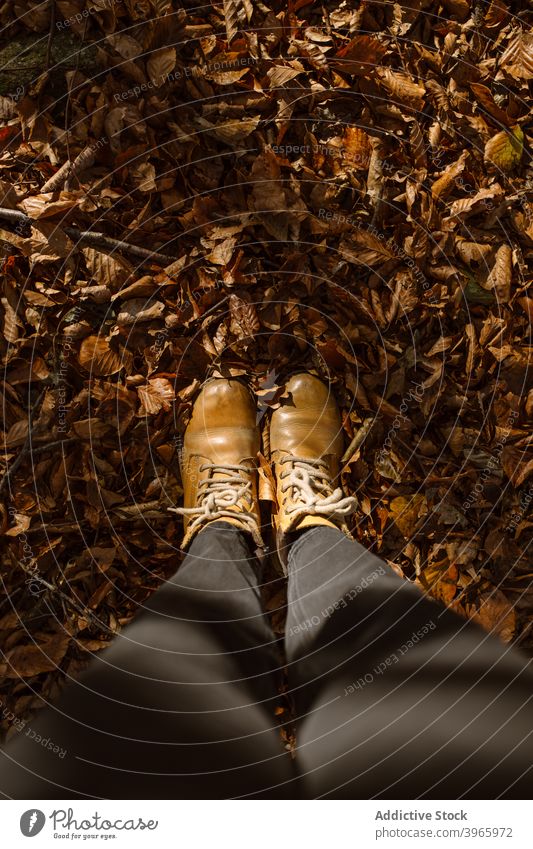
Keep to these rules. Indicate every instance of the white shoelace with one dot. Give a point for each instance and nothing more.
(217, 495)
(313, 492)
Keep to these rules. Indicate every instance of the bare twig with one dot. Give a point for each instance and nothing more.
(42, 449)
(51, 32)
(357, 440)
(25, 448)
(98, 240)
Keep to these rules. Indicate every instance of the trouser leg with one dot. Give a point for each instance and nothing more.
(180, 705)
(397, 696)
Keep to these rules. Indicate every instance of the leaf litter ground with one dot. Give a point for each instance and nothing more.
(343, 187)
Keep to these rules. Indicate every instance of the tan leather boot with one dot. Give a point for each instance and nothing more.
(306, 445)
(219, 461)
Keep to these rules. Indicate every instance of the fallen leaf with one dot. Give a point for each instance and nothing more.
(504, 150)
(97, 357)
(407, 512)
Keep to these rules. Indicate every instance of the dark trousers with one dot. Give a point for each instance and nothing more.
(395, 696)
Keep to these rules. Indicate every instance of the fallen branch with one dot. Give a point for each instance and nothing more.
(97, 240)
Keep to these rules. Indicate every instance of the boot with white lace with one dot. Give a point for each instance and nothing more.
(219, 461)
(306, 445)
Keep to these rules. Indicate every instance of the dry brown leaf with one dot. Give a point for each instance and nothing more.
(402, 89)
(493, 612)
(361, 56)
(496, 14)
(236, 12)
(137, 310)
(472, 252)
(407, 512)
(517, 464)
(158, 394)
(446, 182)
(11, 321)
(125, 45)
(97, 356)
(222, 252)
(440, 580)
(268, 195)
(26, 661)
(22, 523)
(458, 8)
(504, 150)
(470, 205)
(484, 96)
(281, 74)
(160, 64)
(48, 204)
(499, 279)
(106, 270)
(364, 248)
(517, 59)
(47, 243)
(356, 148)
(90, 429)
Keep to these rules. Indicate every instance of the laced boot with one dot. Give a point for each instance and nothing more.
(306, 445)
(219, 461)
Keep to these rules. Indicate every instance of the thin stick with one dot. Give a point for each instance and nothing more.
(50, 34)
(25, 448)
(99, 240)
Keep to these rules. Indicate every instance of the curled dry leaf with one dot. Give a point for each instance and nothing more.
(48, 204)
(11, 322)
(22, 523)
(501, 274)
(447, 181)
(356, 148)
(236, 12)
(138, 310)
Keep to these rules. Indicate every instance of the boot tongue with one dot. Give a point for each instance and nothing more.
(312, 521)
